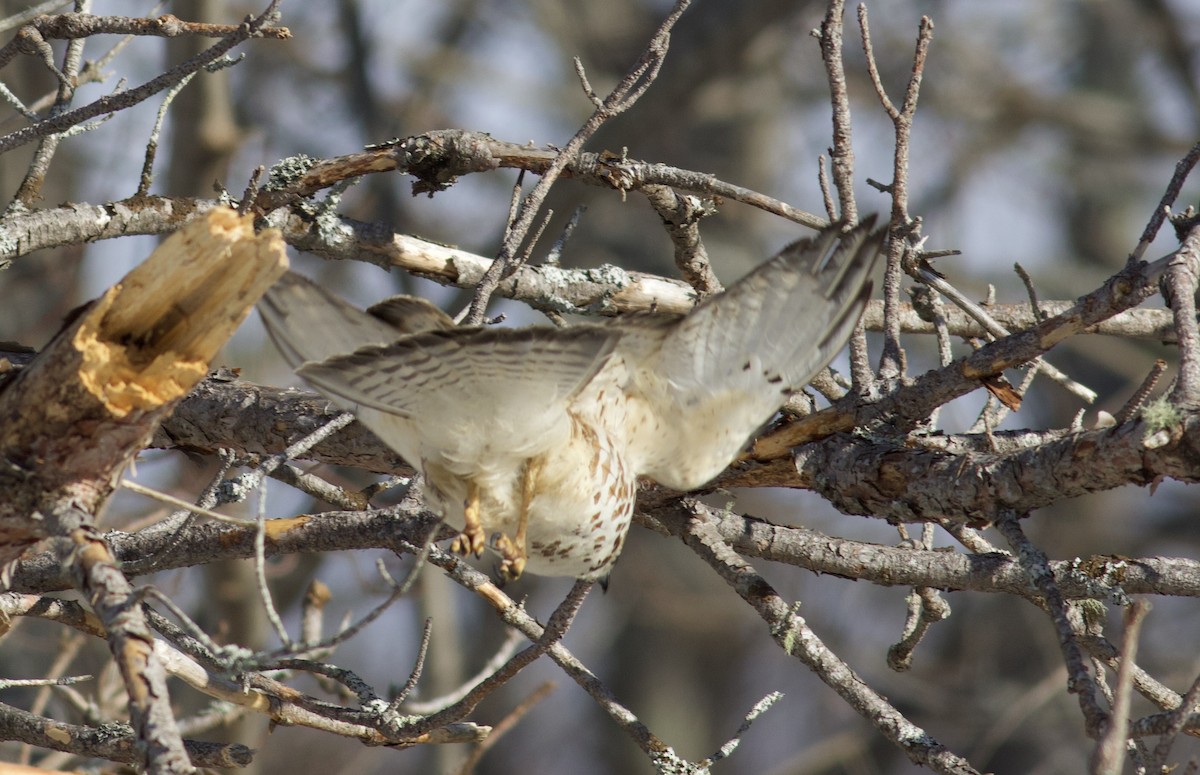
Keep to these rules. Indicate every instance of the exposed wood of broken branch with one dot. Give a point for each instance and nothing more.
(79, 413)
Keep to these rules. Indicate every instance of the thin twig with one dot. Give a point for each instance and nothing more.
(510, 720)
(147, 176)
(504, 653)
(929, 306)
(39, 167)
(178, 503)
(516, 617)
(1034, 304)
(760, 707)
(1179, 287)
(841, 153)
(620, 99)
(1109, 755)
(1035, 563)
(797, 639)
(260, 571)
(555, 628)
(237, 488)
(826, 193)
(1183, 168)
(1142, 394)
(418, 666)
(925, 608)
(903, 229)
(554, 254)
(103, 105)
(942, 286)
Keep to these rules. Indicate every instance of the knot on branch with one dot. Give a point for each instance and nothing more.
(169, 25)
(436, 159)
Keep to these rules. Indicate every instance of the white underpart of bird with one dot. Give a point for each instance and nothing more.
(531, 440)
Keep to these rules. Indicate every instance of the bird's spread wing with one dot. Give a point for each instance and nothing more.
(792, 313)
(728, 366)
(308, 323)
(488, 373)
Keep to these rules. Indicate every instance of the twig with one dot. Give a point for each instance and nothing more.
(66, 680)
(841, 153)
(681, 216)
(64, 121)
(929, 306)
(826, 193)
(502, 655)
(1180, 291)
(1183, 168)
(795, 637)
(903, 228)
(925, 608)
(39, 166)
(70, 26)
(1142, 394)
(260, 571)
(237, 488)
(439, 157)
(147, 176)
(178, 503)
(113, 742)
(620, 99)
(555, 628)
(1177, 719)
(1035, 563)
(320, 489)
(760, 707)
(941, 285)
(1034, 304)
(554, 254)
(510, 720)
(516, 617)
(312, 613)
(180, 521)
(129, 639)
(27, 15)
(1109, 755)
(418, 667)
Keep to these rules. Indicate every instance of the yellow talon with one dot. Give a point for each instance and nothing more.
(470, 540)
(513, 550)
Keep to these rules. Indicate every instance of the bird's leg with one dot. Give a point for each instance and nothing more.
(470, 540)
(513, 550)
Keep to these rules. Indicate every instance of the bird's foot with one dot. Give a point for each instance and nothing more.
(469, 541)
(513, 556)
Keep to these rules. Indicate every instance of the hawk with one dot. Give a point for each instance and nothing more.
(531, 440)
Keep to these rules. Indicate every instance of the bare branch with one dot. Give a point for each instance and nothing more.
(1109, 756)
(64, 121)
(620, 99)
(1079, 680)
(794, 636)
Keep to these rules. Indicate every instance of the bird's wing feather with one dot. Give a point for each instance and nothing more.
(793, 313)
(728, 366)
(308, 323)
(484, 372)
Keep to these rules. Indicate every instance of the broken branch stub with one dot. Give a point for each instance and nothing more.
(72, 420)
